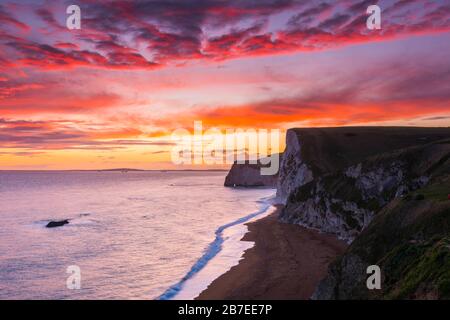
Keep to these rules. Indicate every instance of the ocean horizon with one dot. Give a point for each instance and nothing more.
(140, 235)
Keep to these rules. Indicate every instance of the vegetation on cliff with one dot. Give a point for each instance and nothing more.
(345, 202)
(410, 240)
(386, 191)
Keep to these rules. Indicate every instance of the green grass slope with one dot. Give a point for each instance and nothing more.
(327, 150)
(409, 239)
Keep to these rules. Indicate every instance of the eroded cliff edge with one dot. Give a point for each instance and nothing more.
(249, 175)
(314, 152)
(409, 239)
(383, 189)
(386, 191)
(345, 202)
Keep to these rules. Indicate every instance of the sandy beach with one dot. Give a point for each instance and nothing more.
(286, 262)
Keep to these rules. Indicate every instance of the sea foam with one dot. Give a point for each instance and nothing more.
(193, 283)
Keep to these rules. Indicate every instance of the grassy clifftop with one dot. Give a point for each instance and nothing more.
(327, 150)
(385, 190)
(410, 240)
(314, 152)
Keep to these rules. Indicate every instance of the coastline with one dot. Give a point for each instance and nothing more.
(286, 262)
(224, 252)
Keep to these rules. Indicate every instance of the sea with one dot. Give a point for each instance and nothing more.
(131, 234)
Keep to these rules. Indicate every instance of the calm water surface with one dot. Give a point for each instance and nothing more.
(134, 235)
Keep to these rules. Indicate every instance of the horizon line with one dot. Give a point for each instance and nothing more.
(113, 170)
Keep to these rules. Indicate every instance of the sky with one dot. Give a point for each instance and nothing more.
(111, 94)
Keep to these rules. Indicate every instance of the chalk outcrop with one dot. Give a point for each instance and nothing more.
(383, 189)
(294, 171)
(345, 202)
(314, 152)
(409, 240)
(249, 175)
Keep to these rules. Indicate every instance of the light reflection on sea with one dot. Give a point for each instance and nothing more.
(133, 234)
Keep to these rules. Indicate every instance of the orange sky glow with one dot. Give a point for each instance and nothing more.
(111, 94)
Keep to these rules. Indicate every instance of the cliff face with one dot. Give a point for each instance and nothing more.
(249, 175)
(345, 202)
(293, 170)
(385, 190)
(314, 152)
(409, 239)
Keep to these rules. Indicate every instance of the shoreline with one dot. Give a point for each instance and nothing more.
(286, 262)
(207, 268)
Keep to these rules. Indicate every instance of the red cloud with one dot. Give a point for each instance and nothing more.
(61, 135)
(66, 45)
(7, 18)
(41, 100)
(52, 58)
(282, 114)
(179, 31)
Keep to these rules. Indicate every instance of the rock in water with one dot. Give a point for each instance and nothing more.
(55, 224)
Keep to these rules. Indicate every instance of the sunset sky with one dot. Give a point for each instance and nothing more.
(110, 95)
